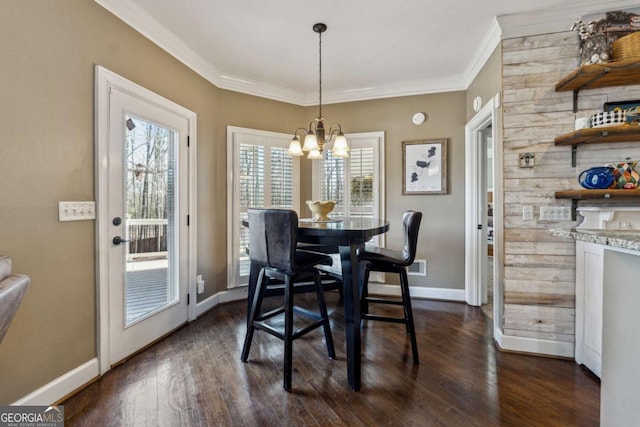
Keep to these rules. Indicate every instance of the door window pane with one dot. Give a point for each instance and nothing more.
(150, 282)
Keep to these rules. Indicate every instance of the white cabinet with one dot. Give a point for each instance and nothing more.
(589, 291)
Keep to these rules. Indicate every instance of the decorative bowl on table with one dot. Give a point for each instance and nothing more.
(320, 209)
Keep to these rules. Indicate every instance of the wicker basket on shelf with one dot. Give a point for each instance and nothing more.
(627, 47)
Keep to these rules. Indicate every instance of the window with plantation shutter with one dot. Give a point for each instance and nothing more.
(355, 183)
(261, 174)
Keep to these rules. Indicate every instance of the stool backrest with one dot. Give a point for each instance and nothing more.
(411, 225)
(273, 236)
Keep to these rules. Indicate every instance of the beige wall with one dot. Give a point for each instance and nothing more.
(49, 51)
(487, 83)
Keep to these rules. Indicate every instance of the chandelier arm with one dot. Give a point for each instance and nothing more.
(335, 128)
(295, 133)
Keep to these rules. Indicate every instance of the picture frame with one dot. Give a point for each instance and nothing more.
(632, 109)
(424, 166)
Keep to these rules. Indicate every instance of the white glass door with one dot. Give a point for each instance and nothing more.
(148, 178)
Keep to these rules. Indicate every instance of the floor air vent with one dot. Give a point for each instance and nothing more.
(418, 268)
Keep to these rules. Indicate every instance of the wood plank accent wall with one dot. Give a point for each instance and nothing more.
(539, 270)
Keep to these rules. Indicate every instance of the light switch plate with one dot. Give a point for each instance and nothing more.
(76, 211)
(527, 213)
(555, 213)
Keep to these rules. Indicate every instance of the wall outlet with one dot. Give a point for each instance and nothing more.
(527, 213)
(76, 211)
(200, 283)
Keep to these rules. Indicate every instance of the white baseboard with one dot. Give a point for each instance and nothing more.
(62, 386)
(534, 345)
(233, 294)
(419, 292)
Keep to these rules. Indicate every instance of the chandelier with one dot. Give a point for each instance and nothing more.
(316, 136)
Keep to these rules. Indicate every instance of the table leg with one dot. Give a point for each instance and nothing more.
(350, 279)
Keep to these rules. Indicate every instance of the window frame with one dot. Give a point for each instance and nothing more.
(235, 137)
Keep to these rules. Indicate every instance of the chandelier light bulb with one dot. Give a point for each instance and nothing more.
(314, 155)
(339, 153)
(340, 143)
(310, 142)
(294, 148)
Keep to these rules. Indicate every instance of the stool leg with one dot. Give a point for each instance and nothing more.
(288, 332)
(258, 295)
(322, 305)
(364, 291)
(406, 299)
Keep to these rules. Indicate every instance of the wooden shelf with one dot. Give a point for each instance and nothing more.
(608, 194)
(615, 73)
(625, 133)
(598, 194)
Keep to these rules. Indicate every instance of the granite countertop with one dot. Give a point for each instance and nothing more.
(624, 239)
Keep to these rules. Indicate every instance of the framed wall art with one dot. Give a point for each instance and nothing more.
(424, 166)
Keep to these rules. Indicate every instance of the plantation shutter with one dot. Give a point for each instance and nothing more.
(355, 183)
(332, 179)
(265, 176)
(362, 173)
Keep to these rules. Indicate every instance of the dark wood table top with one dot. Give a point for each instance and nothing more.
(349, 229)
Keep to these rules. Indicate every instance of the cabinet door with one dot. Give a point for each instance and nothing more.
(589, 280)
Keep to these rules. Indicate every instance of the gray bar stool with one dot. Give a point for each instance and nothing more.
(273, 235)
(389, 261)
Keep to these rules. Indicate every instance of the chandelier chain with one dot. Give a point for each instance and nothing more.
(320, 73)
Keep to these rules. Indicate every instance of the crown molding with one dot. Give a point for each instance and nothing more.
(488, 44)
(141, 21)
(138, 19)
(554, 20)
(502, 27)
(391, 90)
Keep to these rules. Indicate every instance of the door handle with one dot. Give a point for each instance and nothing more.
(117, 240)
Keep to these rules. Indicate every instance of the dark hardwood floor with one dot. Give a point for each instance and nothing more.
(195, 378)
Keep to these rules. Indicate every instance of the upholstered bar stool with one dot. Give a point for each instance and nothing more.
(273, 237)
(389, 261)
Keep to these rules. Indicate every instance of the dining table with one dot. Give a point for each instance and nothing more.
(346, 234)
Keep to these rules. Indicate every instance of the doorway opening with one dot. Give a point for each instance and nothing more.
(483, 217)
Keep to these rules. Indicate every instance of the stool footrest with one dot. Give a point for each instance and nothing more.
(270, 314)
(302, 331)
(384, 318)
(383, 301)
(269, 329)
(280, 333)
(308, 313)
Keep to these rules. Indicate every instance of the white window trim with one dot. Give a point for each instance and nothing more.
(233, 202)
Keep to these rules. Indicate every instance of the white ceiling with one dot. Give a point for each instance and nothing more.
(371, 49)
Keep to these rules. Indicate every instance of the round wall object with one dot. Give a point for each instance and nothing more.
(419, 118)
(477, 103)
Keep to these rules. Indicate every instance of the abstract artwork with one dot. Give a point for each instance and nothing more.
(424, 166)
